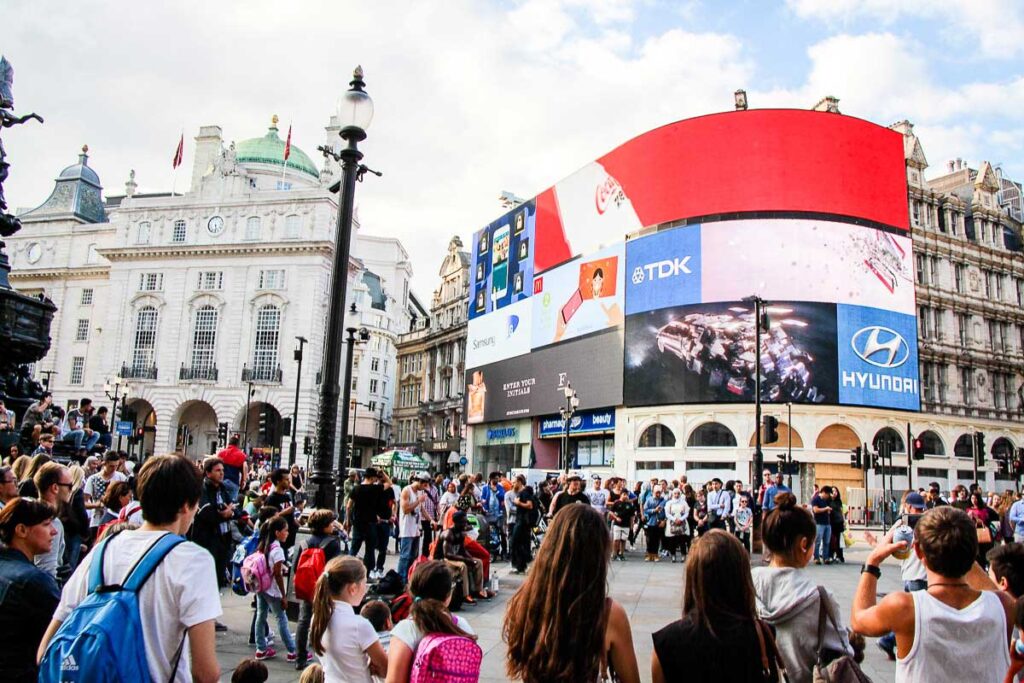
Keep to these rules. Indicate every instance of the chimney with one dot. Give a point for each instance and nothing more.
(951, 165)
(740, 99)
(209, 146)
(959, 164)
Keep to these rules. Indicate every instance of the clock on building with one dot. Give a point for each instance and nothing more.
(215, 226)
(35, 252)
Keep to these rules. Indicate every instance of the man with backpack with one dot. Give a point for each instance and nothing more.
(159, 595)
(211, 529)
(311, 556)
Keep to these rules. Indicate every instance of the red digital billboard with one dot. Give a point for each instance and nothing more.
(737, 162)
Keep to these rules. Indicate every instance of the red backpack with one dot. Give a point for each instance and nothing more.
(308, 569)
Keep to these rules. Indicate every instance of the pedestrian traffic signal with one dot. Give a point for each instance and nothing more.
(222, 433)
(771, 429)
(918, 449)
(855, 458)
(979, 441)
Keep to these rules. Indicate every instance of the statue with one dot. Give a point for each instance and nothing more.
(8, 223)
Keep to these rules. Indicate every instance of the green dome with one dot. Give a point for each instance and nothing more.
(269, 149)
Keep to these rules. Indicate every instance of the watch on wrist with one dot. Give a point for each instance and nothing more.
(871, 569)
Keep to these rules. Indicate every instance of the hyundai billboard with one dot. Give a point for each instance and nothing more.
(878, 358)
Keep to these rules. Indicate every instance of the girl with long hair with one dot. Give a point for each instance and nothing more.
(431, 588)
(342, 638)
(561, 626)
(717, 638)
(273, 534)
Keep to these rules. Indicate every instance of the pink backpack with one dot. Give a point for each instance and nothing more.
(256, 573)
(444, 658)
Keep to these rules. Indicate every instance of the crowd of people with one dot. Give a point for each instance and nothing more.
(176, 534)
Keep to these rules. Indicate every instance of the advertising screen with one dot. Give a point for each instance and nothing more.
(664, 269)
(878, 358)
(532, 384)
(499, 335)
(583, 296)
(501, 270)
(704, 353)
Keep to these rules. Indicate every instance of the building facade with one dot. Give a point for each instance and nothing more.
(431, 358)
(195, 300)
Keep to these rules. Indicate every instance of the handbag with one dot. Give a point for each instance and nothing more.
(984, 535)
(847, 538)
(764, 637)
(842, 669)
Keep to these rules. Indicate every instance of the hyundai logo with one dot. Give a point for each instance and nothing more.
(880, 346)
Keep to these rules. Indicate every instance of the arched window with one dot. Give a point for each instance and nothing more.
(657, 436)
(964, 447)
(252, 228)
(142, 235)
(711, 435)
(932, 443)
(264, 353)
(892, 437)
(1003, 449)
(144, 350)
(204, 339)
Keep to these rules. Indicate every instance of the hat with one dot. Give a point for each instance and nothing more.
(916, 500)
(421, 476)
(574, 477)
(459, 518)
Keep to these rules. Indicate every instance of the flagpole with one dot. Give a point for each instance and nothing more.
(287, 151)
(174, 174)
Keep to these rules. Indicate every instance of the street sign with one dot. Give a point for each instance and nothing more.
(123, 428)
(463, 461)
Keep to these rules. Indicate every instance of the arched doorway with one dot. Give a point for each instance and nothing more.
(196, 430)
(711, 435)
(142, 443)
(964, 447)
(260, 428)
(657, 436)
(891, 437)
(837, 437)
(932, 443)
(1003, 449)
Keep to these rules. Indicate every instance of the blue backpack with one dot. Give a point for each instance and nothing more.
(242, 551)
(102, 639)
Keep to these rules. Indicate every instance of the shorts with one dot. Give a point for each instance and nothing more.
(620, 533)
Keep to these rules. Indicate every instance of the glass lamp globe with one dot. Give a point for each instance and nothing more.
(355, 108)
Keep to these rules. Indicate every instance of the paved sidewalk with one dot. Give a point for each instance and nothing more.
(651, 593)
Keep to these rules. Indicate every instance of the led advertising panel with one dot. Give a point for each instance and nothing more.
(878, 358)
(704, 353)
(501, 270)
(532, 384)
(664, 269)
(579, 297)
(499, 335)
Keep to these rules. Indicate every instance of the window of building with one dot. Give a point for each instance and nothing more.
(964, 447)
(292, 224)
(143, 352)
(77, 370)
(385, 365)
(943, 380)
(204, 338)
(82, 331)
(959, 275)
(962, 326)
(967, 385)
(265, 341)
(384, 387)
(1020, 292)
(211, 280)
(355, 384)
(595, 452)
(271, 279)
(178, 233)
(924, 322)
(252, 228)
(998, 278)
(142, 233)
(374, 364)
(86, 299)
(711, 435)
(993, 335)
(373, 386)
(371, 406)
(921, 275)
(657, 436)
(151, 282)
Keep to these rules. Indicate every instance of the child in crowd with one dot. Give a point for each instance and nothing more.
(250, 671)
(378, 614)
(313, 674)
(342, 638)
(272, 535)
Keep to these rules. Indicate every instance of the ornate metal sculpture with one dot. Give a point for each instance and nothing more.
(8, 223)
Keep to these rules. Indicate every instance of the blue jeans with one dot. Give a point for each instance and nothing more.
(822, 540)
(77, 437)
(383, 535)
(264, 603)
(369, 535)
(888, 641)
(409, 548)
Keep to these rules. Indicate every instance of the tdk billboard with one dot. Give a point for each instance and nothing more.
(877, 358)
(663, 270)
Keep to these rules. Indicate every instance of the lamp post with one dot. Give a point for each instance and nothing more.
(248, 397)
(789, 448)
(355, 111)
(293, 447)
(572, 402)
(113, 411)
(759, 305)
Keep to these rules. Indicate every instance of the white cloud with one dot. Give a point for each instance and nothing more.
(995, 28)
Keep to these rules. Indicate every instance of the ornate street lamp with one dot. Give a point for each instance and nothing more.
(355, 111)
(115, 387)
(572, 402)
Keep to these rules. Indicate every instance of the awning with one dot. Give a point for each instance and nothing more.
(454, 458)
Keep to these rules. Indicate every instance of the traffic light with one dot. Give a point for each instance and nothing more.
(139, 434)
(264, 420)
(222, 433)
(286, 426)
(869, 459)
(855, 457)
(918, 449)
(771, 429)
(307, 445)
(979, 440)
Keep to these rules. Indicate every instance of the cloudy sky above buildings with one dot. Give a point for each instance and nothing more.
(473, 98)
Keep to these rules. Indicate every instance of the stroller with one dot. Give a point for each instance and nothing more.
(538, 532)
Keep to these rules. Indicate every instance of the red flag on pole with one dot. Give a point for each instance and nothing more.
(178, 154)
(288, 144)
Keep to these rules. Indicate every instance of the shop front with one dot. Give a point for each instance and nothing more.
(591, 439)
(500, 446)
(439, 452)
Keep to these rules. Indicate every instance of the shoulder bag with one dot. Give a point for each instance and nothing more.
(769, 653)
(842, 669)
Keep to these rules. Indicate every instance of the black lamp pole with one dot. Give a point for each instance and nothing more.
(293, 447)
(323, 477)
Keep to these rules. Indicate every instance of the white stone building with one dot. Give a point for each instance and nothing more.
(194, 298)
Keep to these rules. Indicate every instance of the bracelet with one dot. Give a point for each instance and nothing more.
(871, 569)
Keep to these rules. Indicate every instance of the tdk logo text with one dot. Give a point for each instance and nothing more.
(880, 346)
(662, 269)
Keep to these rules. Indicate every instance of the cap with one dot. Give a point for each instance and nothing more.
(421, 476)
(916, 500)
(574, 477)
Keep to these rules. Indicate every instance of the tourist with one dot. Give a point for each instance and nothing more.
(410, 518)
(986, 520)
(951, 630)
(621, 511)
(447, 500)
(378, 614)
(361, 518)
(821, 507)
(451, 547)
(27, 486)
(281, 497)
(493, 501)
(96, 486)
(719, 505)
(343, 639)
(677, 531)
(788, 598)
(250, 671)
(28, 595)
(236, 468)
(180, 596)
(387, 506)
(99, 424)
(54, 484)
(744, 517)
(772, 491)
(561, 626)
(8, 486)
(115, 498)
(573, 493)
(598, 497)
(654, 524)
(838, 522)
(526, 517)
(719, 636)
(76, 427)
(274, 599)
(322, 525)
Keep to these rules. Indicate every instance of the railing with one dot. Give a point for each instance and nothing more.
(263, 374)
(200, 373)
(138, 371)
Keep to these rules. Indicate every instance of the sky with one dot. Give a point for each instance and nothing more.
(475, 98)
